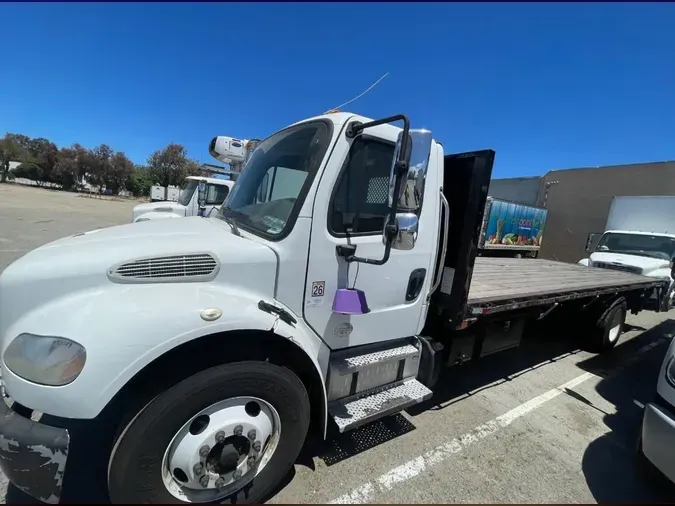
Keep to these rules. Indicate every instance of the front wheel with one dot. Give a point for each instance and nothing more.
(231, 432)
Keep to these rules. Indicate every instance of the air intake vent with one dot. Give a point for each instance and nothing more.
(197, 267)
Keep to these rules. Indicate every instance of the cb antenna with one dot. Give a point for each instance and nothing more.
(360, 95)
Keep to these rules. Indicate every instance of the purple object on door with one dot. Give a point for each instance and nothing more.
(350, 301)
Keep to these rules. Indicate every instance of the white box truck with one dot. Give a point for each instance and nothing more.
(639, 237)
(179, 361)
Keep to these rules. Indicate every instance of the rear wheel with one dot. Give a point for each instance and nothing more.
(608, 328)
(231, 432)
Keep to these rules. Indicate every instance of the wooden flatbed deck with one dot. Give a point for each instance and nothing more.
(506, 283)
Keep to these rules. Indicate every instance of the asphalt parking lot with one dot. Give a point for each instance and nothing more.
(542, 423)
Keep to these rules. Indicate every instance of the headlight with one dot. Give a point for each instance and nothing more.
(53, 361)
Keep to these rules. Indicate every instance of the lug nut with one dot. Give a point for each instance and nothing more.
(220, 483)
(236, 475)
(251, 461)
(251, 434)
(204, 451)
(238, 430)
(198, 469)
(220, 436)
(204, 481)
(257, 446)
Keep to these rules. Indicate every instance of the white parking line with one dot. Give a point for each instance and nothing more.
(418, 465)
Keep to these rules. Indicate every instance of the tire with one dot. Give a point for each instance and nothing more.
(608, 328)
(136, 471)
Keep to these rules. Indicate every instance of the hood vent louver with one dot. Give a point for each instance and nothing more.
(169, 269)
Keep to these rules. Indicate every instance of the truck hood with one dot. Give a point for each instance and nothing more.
(647, 265)
(84, 261)
(158, 207)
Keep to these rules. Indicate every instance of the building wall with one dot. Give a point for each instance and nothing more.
(579, 201)
(524, 190)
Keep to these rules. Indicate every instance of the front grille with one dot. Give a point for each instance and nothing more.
(197, 267)
(618, 267)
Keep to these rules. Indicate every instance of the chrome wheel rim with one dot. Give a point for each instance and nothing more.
(221, 449)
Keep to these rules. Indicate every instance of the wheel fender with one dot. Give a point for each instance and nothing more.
(305, 338)
(123, 329)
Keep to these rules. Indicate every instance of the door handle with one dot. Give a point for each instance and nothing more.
(415, 284)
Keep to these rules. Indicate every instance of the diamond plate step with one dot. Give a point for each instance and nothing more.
(352, 412)
(349, 365)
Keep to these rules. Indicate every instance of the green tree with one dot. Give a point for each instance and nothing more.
(97, 164)
(170, 166)
(140, 181)
(118, 173)
(12, 149)
(67, 168)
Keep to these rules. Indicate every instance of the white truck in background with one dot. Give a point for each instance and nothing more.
(159, 193)
(202, 196)
(213, 194)
(188, 361)
(639, 237)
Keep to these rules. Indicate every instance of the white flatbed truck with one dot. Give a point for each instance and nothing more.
(188, 360)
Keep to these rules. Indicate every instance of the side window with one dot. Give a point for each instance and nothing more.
(360, 202)
(216, 194)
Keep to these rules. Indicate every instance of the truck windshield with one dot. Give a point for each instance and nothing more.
(187, 193)
(268, 194)
(655, 246)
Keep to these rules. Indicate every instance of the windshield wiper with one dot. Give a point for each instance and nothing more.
(230, 221)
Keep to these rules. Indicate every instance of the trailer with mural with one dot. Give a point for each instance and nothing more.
(511, 229)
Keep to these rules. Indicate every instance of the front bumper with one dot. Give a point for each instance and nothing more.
(33, 455)
(658, 438)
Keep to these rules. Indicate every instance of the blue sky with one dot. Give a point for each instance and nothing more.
(547, 86)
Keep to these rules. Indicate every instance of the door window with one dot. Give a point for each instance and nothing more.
(216, 194)
(360, 202)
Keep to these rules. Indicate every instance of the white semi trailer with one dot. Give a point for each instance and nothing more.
(188, 360)
(639, 237)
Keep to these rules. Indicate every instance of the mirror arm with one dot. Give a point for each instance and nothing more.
(355, 128)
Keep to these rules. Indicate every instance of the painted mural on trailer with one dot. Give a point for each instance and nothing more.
(511, 224)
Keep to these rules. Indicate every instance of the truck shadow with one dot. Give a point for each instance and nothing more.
(609, 462)
(454, 385)
(459, 383)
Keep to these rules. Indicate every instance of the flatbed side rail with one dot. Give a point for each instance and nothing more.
(479, 308)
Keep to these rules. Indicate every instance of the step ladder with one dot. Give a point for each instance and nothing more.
(371, 382)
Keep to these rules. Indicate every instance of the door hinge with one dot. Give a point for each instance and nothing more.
(283, 315)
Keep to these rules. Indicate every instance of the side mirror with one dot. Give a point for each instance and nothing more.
(201, 197)
(592, 242)
(411, 189)
(407, 225)
(408, 198)
(406, 186)
(672, 267)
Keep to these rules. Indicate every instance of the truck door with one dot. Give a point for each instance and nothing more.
(466, 180)
(350, 206)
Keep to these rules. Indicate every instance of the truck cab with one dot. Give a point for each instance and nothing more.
(214, 194)
(639, 238)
